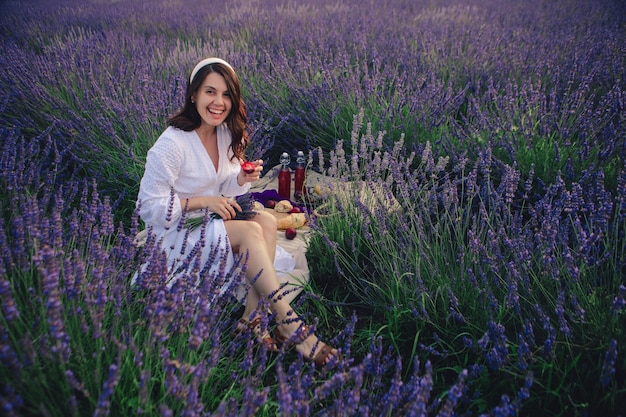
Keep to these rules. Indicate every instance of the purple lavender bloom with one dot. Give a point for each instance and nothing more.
(608, 367)
(494, 345)
(49, 270)
(9, 308)
(577, 310)
(619, 301)
(560, 313)
(523, 352)
(454, 396)
(10, 401)
(165, 411)
(512, 296)
(75, 383)
(454, 308)
(104, 401)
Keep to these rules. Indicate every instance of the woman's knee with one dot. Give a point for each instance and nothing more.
(254, 230)
(266, 220)
(241, 231)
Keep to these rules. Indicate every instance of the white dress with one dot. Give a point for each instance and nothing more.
(178, 167)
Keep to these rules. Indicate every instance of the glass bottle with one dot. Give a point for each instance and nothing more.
(284, 177)
(299, 174)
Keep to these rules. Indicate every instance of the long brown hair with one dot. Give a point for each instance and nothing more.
(189, 119)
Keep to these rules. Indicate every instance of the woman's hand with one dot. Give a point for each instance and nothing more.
(245, 177)
(224, 207)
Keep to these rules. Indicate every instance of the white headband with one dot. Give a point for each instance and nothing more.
(206, 62)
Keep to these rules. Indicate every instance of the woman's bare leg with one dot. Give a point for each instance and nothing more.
(248, 237)
(268, 223)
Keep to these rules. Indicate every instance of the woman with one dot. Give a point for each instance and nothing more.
(195, 165)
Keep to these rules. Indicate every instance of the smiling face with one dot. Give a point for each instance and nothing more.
(213, 100)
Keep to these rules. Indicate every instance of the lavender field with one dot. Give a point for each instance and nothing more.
(487, 277)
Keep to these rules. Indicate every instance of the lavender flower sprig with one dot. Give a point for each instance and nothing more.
(245, 201)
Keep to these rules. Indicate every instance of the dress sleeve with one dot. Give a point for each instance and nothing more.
(158, 203)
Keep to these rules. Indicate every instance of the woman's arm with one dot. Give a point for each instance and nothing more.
(158, 203)
(240, 183)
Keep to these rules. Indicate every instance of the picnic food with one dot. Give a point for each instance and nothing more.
(248, 167)
(290, 233)
(293, 220)
(321, 191)
(283, 206)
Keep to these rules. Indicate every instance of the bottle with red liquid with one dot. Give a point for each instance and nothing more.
(284, 177)
(299, 174)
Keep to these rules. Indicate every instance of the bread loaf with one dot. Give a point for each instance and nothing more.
(294, 220)
(283, 206)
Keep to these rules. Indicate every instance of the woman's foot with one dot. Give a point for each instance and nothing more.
(262, 335)
(306, 344)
